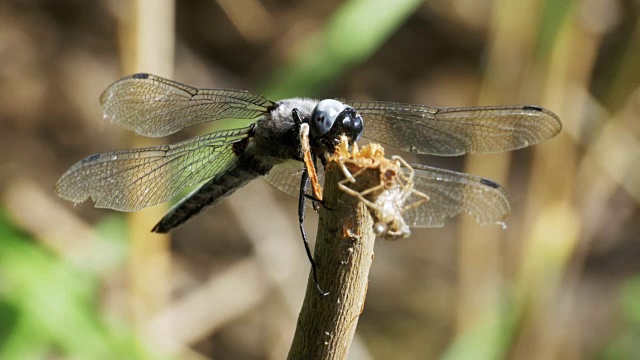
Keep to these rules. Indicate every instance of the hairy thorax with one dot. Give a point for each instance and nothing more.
(277, 137)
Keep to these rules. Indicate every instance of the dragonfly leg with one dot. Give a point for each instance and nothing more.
(297, 121)
(304, 183)
(316, 201)
(323, 161)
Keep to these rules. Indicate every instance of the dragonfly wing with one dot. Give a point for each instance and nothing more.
(154, 106)
(456, 131)
(286, 177)
(129, 180)
(451, 193)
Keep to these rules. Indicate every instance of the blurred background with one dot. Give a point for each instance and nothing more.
(561, 282)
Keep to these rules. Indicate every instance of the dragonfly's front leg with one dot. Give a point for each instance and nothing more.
(305, 181)
(304, 184)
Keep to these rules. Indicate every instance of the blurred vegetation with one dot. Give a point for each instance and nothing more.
(50, 307)
(561, 283)
(625, 343)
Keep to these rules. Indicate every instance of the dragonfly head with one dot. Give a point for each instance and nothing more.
(330, 119)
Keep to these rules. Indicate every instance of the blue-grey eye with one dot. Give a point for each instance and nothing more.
(324, 116)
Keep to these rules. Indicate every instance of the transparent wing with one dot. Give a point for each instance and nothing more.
(154, 106)
(455, 131)
(286, 177)
(129, 180)
(451, 193)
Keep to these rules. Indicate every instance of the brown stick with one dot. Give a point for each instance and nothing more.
(147, 40)
(343, 252)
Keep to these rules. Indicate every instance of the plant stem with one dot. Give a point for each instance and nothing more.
(343, 252)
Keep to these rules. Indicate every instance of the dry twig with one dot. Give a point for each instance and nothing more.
(343, 252)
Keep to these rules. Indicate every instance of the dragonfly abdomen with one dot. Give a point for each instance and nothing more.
(212, 192)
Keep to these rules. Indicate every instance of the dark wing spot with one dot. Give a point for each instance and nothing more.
(141, 76)
(273, 107)
(533, 107)
(489, 183)
(91, 158)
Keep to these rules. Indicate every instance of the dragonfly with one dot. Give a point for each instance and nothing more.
(269, 145)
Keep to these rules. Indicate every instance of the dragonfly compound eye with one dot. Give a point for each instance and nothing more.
(350, 123)
(331, 119)
(324, 116)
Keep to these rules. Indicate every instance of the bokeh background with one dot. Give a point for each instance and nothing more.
(561, 282)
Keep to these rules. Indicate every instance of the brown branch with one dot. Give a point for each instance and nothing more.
(147, 43)
(343, 252)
